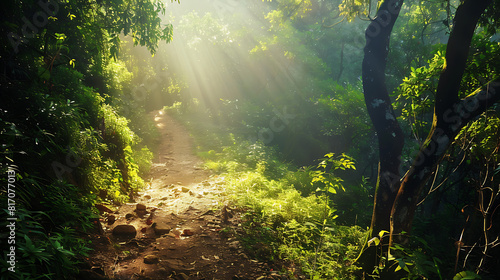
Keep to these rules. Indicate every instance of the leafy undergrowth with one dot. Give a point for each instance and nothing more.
(63, 153)
(288, 211)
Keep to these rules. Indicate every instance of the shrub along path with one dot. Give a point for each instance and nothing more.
(178, 228)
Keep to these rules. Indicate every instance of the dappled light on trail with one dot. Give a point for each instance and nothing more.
(158, 119)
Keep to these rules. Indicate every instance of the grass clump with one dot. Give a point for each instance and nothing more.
(282, 222)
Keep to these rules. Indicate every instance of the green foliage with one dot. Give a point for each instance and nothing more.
(293, 227)
(355, 205)
(344, 108)
(143, 159)
(469, 275)
(414, 261)
(481, 138)
(118, 77)
(303, 79)
(48, 252)
(351, 9)
(137, 18)
(325, 177)
(288, 214)
(416, 94)
(420, 28)
(204, 29)
(288, 9)
(324, 252)
(483, 64)
(273, 199)
(474, 152)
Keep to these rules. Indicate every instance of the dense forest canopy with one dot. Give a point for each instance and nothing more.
(376, 122)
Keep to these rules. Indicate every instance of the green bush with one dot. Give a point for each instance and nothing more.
(48, 230)
(69, 149)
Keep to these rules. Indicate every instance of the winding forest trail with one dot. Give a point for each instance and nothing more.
(181, 230)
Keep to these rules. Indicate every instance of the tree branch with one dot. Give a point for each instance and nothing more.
(468, 108)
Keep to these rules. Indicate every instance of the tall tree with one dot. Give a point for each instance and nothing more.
(396, 196)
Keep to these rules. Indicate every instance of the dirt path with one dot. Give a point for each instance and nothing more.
(178, 228)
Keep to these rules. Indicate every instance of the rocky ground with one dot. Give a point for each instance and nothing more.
(178, 228)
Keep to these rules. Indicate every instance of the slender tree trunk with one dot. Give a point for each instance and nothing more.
(389, 134)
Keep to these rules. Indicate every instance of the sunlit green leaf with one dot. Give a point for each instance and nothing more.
(375, 240)
(382, 233)
(466, 275)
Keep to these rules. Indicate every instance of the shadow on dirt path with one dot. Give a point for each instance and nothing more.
(178, 228)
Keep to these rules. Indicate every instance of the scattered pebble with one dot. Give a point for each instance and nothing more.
(234, 245)
(187, 232)
(161, 228)
(111, 219)
(103, 208)
(129, 216)
(121, 230)
(140, 207)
